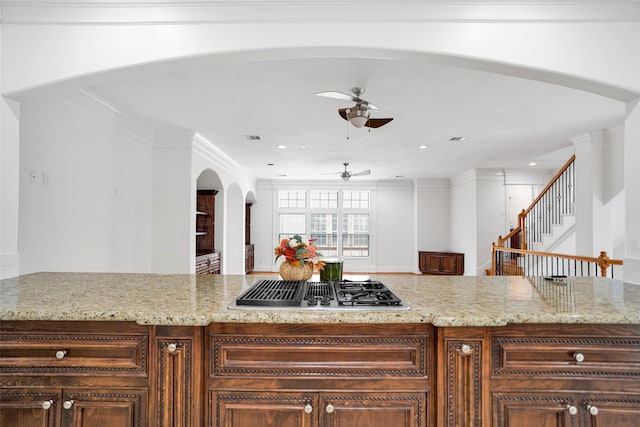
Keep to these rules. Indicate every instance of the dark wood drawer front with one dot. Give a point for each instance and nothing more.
(346, 356)
(597, 356)
(73, 354)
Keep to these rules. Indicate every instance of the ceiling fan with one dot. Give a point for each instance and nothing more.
(359, 114)
(346, 175)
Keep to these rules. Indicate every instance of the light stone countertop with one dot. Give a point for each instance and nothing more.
(202, 299)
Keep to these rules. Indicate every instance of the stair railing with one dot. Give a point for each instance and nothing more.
(520, 262)
(556, 199)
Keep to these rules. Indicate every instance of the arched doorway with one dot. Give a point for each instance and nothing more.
(208, 222)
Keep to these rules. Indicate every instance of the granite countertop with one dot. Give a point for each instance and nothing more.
(202, 299)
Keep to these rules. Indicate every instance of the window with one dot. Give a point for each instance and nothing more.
(335, 228)
(292, 199)
(291, 224)
(324, 232)
(324, 199)
(355, 235)
(355, 199)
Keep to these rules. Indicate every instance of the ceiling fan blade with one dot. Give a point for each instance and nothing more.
(343, 113)
(344, 96)
(363, 173)
(376, 123)
(338, 95)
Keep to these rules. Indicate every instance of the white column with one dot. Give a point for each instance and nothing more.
(172, 210)
(588, 207)
(9, 179)
(632, 190)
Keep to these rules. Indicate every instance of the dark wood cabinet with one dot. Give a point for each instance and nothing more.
(177, 379)
(73, 374)
(441, 263)
(596, 367)
(73, 407)
(205, 221)
(249, 258)
(290, 373)
(462, 385)
(208, 264)
(70, 374)
(207, 259)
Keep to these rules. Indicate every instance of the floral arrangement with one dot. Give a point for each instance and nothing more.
(296, 250)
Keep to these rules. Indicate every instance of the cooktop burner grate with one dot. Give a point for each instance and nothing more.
(319, 295)
(277, 293)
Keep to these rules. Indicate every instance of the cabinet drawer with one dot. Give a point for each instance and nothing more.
(577, 356)
(309, 354)
(73, 354)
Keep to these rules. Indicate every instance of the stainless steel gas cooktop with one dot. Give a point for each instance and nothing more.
(339, 295)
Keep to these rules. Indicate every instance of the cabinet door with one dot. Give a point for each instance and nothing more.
(103, 407)
(29, 408)
(252, 409)
(463, 364)
(177, 391)
(373, 410)
(612, 411)
(534, 410)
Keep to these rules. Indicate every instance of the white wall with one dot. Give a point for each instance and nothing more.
(632, 190)
(94, 213)
(60, 50)
(262, 220)
(490, 216)
(462, 225)
(433, 204)
(394, 227)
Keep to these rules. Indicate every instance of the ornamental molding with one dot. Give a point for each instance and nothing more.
(100, 12)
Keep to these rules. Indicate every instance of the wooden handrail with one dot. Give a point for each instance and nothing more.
(603, 260)
(549, 185)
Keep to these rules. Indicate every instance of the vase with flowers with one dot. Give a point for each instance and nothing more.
(299, 257)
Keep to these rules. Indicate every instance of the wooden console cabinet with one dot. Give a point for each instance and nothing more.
(441, 263)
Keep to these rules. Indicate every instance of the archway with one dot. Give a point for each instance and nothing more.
(209, 221)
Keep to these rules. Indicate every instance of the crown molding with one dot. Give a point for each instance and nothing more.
(212, 11)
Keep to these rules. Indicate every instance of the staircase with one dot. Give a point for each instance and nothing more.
(550, 219)
(545, 231)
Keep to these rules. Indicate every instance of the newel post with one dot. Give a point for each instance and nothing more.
(523, 230)
(603, 263)
(493, 258)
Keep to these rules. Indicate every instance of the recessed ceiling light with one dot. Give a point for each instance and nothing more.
(280, 146)
(423, 147)
(532, 163)
(253, 137)
(303, 146)
(457, 138)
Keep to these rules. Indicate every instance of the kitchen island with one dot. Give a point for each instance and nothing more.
(144, 349)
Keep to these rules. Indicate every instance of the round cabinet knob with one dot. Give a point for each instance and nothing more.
(47, 404)
(593, 410)
(60, 354)
(579, 357)
(572, 410)
(308, 409)
(67, 404)
(465, 349)
(172, 348)
(329, 408)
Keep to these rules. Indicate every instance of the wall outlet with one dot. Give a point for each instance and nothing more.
(45, 178)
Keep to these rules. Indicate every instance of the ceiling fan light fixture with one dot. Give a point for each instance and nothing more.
(358, 116)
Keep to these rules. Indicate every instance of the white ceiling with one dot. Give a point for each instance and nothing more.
(507, 121)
